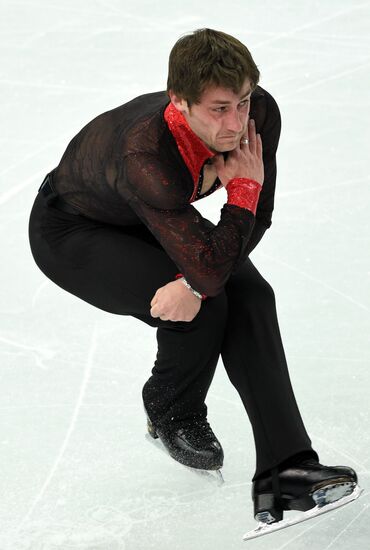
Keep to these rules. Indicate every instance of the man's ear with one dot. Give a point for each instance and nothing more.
(180, 104)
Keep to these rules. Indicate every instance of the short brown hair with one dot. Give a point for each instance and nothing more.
(209, 57)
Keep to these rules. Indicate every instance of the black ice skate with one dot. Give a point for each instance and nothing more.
(308, 487)
(191, 443)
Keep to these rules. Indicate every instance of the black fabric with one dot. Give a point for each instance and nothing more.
(292, 461)
(118, 269)
(124, 168)
(51, 197)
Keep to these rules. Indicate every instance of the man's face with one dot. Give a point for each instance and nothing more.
(221, 118)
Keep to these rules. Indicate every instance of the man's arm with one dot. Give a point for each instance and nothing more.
(257, 234)
(205, 256)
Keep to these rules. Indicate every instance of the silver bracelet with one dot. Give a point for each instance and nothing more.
(197, 294)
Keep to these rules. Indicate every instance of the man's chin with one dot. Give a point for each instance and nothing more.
(223, 148)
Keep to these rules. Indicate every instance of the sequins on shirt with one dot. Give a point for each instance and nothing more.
(125, 168)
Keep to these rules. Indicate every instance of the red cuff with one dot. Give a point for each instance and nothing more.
(179, 275)
(244, 192)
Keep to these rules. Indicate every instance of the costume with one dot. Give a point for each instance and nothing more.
(129, 178)
(141, 163)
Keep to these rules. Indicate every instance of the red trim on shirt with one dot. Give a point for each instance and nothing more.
(242, 192)
(193, 150)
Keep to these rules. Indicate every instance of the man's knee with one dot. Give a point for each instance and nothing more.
(215, 308)
(257, 292)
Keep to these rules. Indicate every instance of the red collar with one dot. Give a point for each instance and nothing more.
(193, 150)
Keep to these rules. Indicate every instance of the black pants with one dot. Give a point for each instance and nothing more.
(119, 269)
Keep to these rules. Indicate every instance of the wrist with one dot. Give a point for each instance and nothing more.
(244, 192)
(195, 292)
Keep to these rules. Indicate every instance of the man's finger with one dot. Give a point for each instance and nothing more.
(252, 135)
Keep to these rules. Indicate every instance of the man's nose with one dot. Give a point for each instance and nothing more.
(234, 122)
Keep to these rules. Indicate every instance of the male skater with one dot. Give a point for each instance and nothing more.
(114, 224)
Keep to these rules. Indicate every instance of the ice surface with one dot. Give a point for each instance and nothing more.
(77, 471)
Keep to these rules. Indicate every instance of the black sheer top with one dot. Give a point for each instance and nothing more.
(127, 166)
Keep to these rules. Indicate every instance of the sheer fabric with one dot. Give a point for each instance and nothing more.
(127, 167)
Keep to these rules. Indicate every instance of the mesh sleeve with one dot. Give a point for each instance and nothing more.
(205, 256)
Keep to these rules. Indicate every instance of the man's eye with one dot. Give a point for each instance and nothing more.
(222, 109)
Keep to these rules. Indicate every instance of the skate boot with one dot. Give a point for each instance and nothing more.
(191, 442)
(307, 486)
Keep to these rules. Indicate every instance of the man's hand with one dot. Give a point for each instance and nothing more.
(245, 161)
(175, 302)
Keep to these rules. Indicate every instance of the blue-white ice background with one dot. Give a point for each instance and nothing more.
(76, 469)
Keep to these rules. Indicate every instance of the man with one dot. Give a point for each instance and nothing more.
(114, 224)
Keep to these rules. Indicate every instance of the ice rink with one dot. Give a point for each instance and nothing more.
(77, 468)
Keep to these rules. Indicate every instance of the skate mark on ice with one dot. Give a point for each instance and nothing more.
(319, 188)
(36, 176)
(316, 280)
(326, 80)
(293, 539)
(40, 174)
(39, 354)
(71, 427)
(338, 451)
(68, 406)
(310, 24)
(346, 527)
(28, 42)
(39, 290)
(329, 358)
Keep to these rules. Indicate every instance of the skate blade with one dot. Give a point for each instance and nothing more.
(211, 475)
(265, 528)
